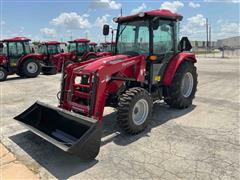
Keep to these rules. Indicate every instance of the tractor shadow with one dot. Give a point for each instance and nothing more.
(62, 165)
(14, 78)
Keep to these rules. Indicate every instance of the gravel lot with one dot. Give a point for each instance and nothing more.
(201, 142)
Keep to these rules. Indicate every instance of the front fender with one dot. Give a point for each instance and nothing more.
(3, 60)
(174, 64)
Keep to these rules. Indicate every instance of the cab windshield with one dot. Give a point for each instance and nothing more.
(42, 49)
(133, 37)
(80, 48)
(92, 48)
(53, 49)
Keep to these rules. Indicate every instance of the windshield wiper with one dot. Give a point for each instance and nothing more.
(122, 30)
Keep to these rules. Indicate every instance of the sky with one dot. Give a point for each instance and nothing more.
(70, 19)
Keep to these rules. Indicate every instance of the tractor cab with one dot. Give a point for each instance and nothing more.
(14, 53)
(14, 49)
(52, 57)
(92, 47)
(79, 46)
(154, 34)
(50, 48)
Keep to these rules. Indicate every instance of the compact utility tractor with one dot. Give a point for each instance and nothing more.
(149, 64)
(79, 50)
(108, 46)
(17, 57)
(52, 57)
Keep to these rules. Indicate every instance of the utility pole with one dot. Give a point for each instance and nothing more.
(206, 34)
(210, 34)
(121, 12)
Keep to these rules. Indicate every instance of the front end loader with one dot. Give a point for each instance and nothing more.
(149, 63)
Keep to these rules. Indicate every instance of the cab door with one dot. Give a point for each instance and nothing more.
(15, 52)
(164, 47)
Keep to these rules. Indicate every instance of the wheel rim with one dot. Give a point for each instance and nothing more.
(32, 67)
(187, 85)
(2, 74)
(140, 112)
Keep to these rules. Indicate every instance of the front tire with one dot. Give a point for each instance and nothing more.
(3, 74)
(183, 88)
(30, 68)
(134, 110)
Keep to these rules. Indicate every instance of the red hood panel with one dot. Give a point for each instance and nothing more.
(101, 61)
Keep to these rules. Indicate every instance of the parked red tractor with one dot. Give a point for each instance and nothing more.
(79, 51)
(17, 57)
(52, 57)
(149, 64)
(108, 46)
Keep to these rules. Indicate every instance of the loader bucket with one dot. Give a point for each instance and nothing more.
(71, 132)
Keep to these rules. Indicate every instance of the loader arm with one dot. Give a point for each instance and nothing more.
(116, 71)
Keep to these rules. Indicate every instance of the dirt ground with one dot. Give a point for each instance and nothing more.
(201, 142)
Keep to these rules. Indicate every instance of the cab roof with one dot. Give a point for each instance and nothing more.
(19, 39)
(92, 43)
(82, 40)
(51, 43)
(163, 13)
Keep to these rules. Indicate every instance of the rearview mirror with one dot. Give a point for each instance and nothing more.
(184, 44)
(106, 30)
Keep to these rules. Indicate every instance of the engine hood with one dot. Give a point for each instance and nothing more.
(101, 62)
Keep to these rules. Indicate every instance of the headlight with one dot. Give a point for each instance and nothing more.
(78, 80)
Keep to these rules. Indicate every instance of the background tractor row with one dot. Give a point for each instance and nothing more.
(16, 56)
(149, 64)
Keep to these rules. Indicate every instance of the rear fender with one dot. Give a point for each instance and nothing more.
(86, 55)
(174, 64)
(29, 56)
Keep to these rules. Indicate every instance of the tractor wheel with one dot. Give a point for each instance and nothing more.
(3, 74)
(184, 85)
(30, 68)
(134, 110)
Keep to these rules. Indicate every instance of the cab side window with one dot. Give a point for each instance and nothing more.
(20, 49)
(163, 38)
(12, 48)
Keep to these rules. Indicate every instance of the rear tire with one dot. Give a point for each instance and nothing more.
(30, 68)
(134, 110)
(3, 74)
(183, 88)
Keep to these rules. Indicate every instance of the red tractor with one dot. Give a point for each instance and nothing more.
(52, 57)
(79, 51)
(108, 46)
(16, 57)
(149, 64)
